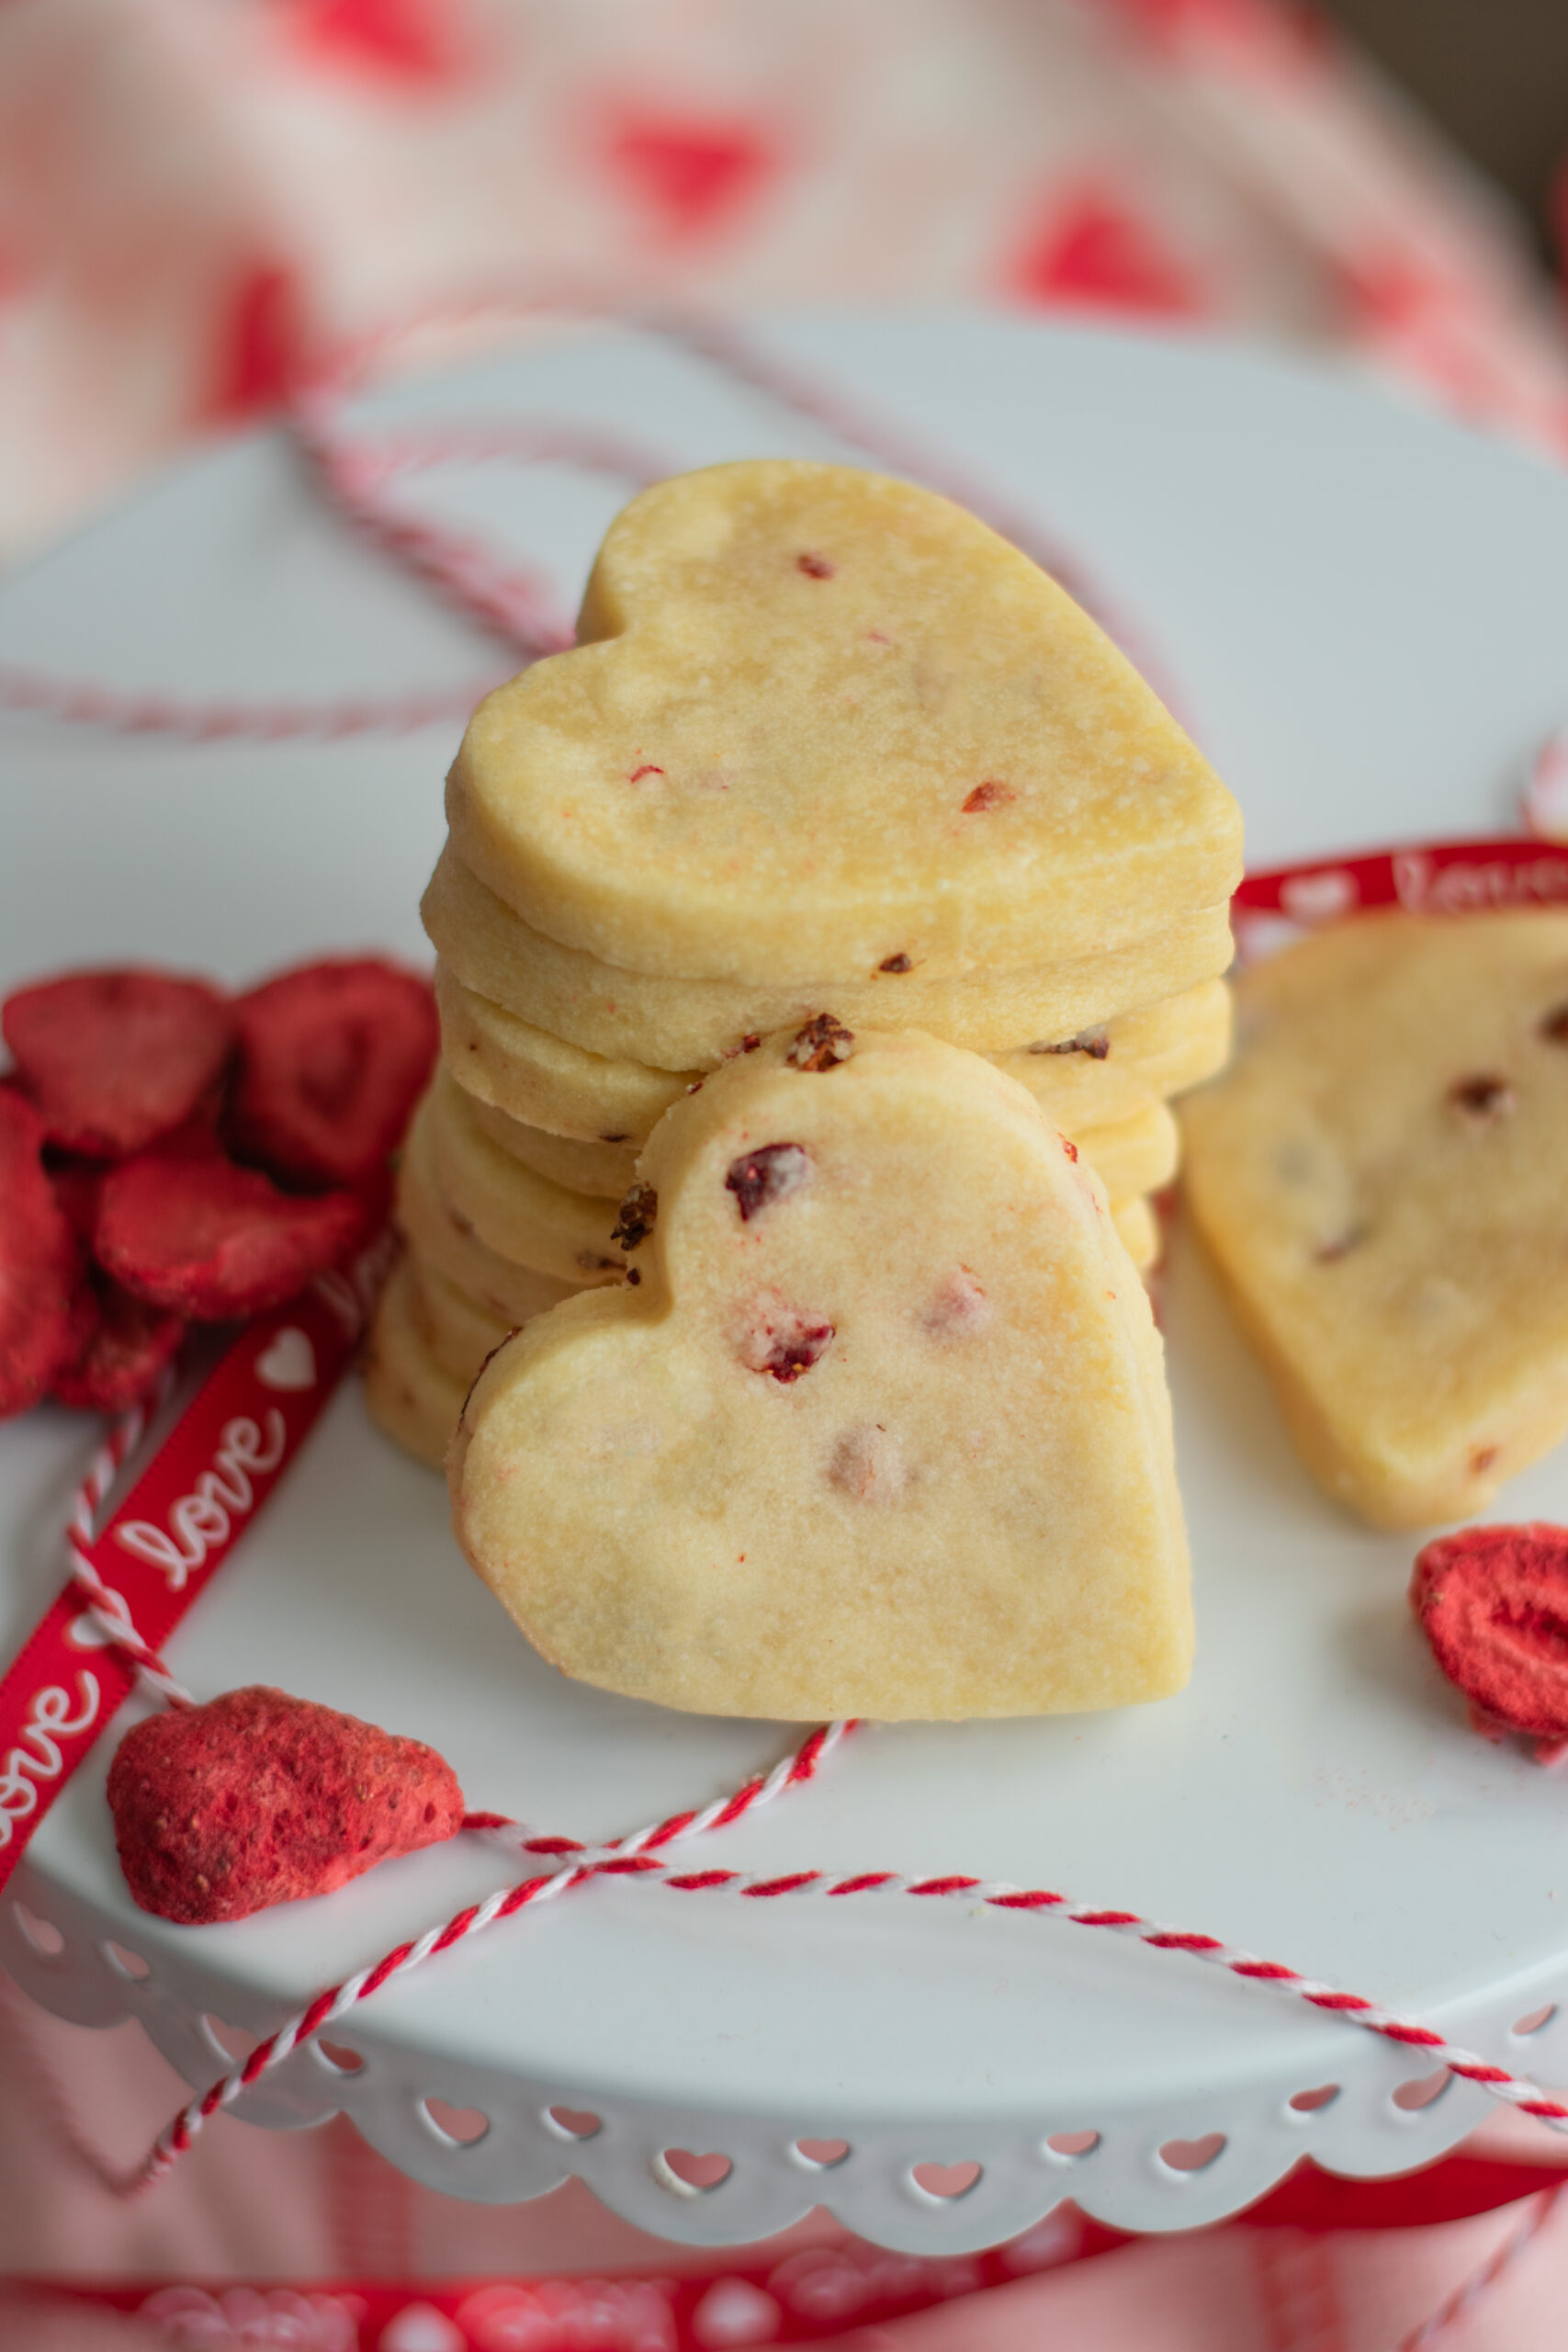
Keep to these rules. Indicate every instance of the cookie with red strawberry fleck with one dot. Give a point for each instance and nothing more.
(822, 724)
(880, 1430)
(1381, 1179)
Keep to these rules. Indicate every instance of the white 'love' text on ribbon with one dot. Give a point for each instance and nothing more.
(202, 1520)
(49, 1722)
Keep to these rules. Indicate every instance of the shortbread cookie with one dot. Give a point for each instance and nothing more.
(1092, 1078)
(883, 1429)
(458, 1330)
(1381, 1180)
(412, 1397)
(1138, 1230)
(818, 720)
(540, 1078)
(516, 1213)
(669, 1024)
(1136, 1153)
(438, 1236)
(607, 1170)
(1105, 1074)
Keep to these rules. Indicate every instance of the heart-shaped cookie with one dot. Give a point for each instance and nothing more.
(513, 1210)
(409, 1392)
(820, 720)
(1136, 1151)
(881, 1430)
(443, 1238)
(1381, 1178)
(1090, 1078)
(670, 1023)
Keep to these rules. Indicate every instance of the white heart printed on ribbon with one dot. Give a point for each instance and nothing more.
(84, 1633)
(1319, 898)
(288, 1362)
(420, 2327)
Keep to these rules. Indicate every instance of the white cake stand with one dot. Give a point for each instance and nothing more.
(1363, 609)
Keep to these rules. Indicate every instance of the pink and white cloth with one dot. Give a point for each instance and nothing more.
(196, 201)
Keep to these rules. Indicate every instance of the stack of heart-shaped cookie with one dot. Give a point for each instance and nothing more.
(827, 747)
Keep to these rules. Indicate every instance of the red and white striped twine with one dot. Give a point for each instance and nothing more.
(623, 1857)
(639, 1855)
(633, 1858)
(107, 1609)
(124, 712)
(356, 472)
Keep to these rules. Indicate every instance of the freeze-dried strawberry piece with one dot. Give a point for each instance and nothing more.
(823, 1044)
(78, 1184)
(780, 1340)
(638, 1215)
(124, 1345)
(989, 794)
(332, 1059)
(40, 1263)
(186, 1229)
(1493, 1603)
(259, 1798)
(758, 1177)
(113, 1059)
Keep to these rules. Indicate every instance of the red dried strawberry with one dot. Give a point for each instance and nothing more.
(186, 1229)
(124, 1345)
(40, 1263)
(115, 1059)
(333, 1058)
(259, 1798)
(1492, 1601)
(78, 1185)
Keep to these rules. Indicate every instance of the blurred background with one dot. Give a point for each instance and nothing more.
(201, 199)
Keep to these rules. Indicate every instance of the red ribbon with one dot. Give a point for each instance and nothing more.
(1432, 878)
(167, 1538)
(812, 2296)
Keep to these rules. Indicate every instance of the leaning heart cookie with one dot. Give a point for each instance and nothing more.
(1380, 1179)
(881, 1430)
(818, 721)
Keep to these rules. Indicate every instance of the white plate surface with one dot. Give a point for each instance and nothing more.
(1361, 610)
